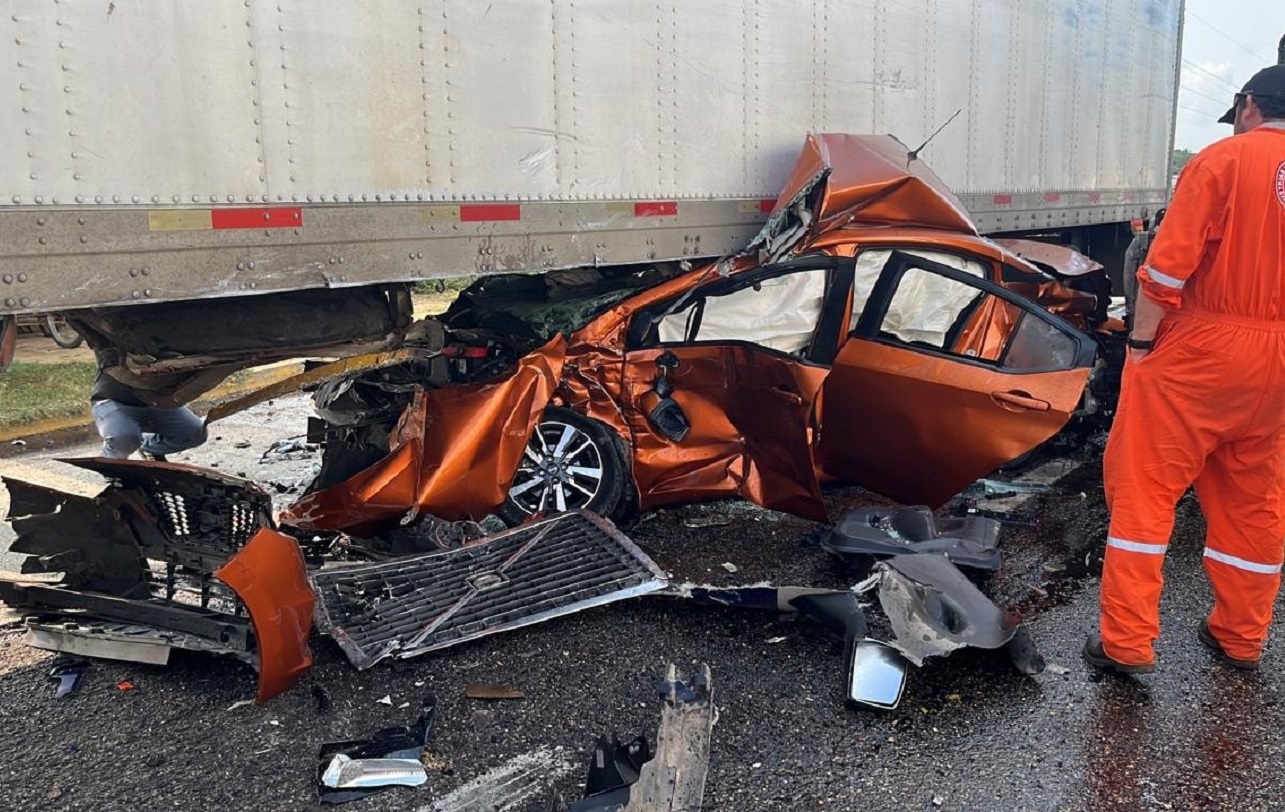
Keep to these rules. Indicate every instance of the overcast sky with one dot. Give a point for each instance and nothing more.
(1224, 43)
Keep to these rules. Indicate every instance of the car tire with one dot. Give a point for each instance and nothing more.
(63, 334)
(570, 463)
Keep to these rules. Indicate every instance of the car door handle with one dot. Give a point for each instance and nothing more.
(789, 394)
(1020, 400)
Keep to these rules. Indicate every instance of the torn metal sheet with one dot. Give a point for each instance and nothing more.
(1062, 259)
(184, 553)
(522, 576)
(358, 768)
(934, 609)
(453, 454)
(370, 773)
(972, 541)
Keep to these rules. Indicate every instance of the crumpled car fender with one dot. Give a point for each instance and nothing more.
(268, 574)
(453, 454)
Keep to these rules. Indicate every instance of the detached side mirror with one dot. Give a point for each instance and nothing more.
(876, 675)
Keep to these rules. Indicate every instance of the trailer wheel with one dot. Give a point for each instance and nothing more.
(571, 463)
(63, 334)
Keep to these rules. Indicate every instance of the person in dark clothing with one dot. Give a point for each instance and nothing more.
(127, 423)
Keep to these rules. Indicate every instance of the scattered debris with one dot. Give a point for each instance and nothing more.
(613, 768)
(706, 521)
(992, 488)
(628, 777)
(240, 703)
(18, 443)
(321, 699)
(934, 609)
(771, 641)
(510, 787)
(729, 566)
(971, 541)
(1058, 670)
(371, 773)
(349, 770)
(421, 603)
(67, 672)
(54, 793)
(290, 448)
(493, 692)
(124, 686)
(386, 699)
(241, 444)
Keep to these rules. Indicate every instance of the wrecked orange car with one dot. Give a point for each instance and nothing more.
(868, 335)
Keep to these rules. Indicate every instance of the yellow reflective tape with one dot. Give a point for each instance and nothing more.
(179, 220)
(439, 214)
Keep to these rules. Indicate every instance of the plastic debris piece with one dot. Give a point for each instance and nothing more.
(386, 699)
(367, 773)
(971, 541)
(124, 685)
(493, 692)
(729, 566)
(67, 672)
(775, 640)
(54, 793)
(321, 699)
(673, 777)
(240, 703)
(241, 444)
(1059, 670)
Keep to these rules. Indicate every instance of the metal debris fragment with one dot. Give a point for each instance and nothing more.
(369, 773)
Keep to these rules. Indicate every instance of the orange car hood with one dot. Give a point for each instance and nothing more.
(841, 179)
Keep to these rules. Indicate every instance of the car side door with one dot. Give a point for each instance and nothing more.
(721, 383)
(944, 378)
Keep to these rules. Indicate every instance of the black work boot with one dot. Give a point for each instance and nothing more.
(1097, 657)
(1207, 637)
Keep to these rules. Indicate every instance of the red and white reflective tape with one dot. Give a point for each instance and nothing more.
(224, 218)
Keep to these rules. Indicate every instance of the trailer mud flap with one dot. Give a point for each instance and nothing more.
(516, 578)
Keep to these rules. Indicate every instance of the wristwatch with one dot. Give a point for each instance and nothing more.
(1139, 344)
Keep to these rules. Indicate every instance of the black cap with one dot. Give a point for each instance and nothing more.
(1267, 82)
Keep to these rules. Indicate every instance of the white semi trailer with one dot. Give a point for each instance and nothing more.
(158, 151)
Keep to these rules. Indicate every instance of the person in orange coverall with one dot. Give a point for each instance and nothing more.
(1203, 398)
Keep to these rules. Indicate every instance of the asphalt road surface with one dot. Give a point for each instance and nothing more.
(970, 732)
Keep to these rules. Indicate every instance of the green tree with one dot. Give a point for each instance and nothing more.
(1180, 159)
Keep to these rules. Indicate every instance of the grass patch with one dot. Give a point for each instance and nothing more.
(30, 392)
(452, 284)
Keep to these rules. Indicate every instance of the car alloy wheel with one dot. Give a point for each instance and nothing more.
(570, 463)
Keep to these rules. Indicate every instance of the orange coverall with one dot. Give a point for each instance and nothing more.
(1207, 405)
